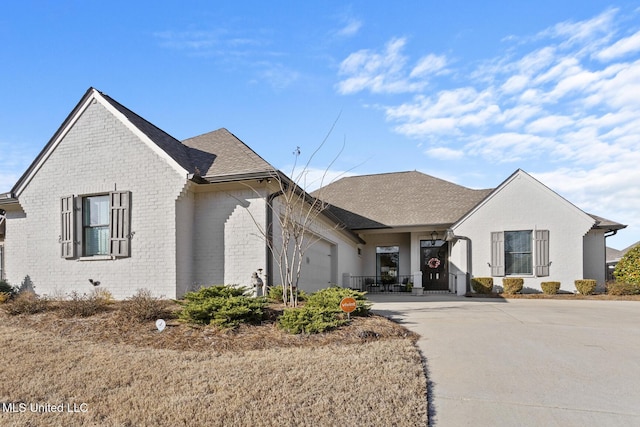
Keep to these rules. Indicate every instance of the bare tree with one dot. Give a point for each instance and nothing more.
(293, 222)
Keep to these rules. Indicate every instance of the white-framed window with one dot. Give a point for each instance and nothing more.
(520, 253)
(95, 225)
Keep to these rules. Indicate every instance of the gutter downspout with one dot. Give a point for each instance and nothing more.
(449, 236)
(269, 253)
(606, 267)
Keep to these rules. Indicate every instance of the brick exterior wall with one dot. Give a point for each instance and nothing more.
(99, 154)
(228, 244)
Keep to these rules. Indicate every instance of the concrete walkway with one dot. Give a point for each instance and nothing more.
(494, 362)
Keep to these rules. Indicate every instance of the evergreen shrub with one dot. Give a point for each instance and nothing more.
(223, 306)
(275, 294)
(512, 285)
(330, 298)
(550, 288)
(310, 320)
(628, 268)
(586, 286)
(482, 285)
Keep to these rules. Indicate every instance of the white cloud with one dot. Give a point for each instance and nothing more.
(565, 103)
(508, 147)
(444, 153)
(620, 48)
(429, 64)
(548, 124)
(588, 33)
(277, 75)
(351, 28)
(386, 71)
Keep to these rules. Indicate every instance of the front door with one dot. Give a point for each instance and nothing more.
(434, 264)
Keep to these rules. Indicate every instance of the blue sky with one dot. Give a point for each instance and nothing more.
(465, 91)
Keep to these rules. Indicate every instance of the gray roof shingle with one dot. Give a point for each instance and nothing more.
(398, 199)
(220, 153)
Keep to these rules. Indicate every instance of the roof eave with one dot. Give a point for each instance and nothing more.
(8, 198)
(217, 179)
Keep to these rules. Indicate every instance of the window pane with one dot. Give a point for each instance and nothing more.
(387, 260)
(96, 210)
(517, 250)
(518, 264)
(96, 241)
(517, 241)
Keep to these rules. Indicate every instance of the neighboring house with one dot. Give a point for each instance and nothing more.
(114, 199)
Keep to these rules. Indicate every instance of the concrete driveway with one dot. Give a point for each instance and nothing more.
(494, 362)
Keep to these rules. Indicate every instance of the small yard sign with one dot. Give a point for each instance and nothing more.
(348, 305)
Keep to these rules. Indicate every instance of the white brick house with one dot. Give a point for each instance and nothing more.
(113, 199)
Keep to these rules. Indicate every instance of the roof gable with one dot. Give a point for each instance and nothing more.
(168, 144)
(167, 147)
(399, 199)
(511, 180)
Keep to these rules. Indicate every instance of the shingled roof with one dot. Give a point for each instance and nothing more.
(212, 155)
(220, 153)
(398, 199)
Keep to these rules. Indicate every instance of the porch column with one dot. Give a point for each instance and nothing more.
(417, 283)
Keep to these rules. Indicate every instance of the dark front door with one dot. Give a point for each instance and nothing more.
(434, 264)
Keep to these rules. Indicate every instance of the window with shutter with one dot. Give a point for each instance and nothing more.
(103, 223)
(497, 253)
(67, 232)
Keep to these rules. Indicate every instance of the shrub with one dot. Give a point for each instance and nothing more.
(216, 291)
(482, 285)
(309, 320)
(143, 306)
(550, 288)
(330, 298)
(628, 268)
(586, 286)
(619, 288)
(512, 285)
(6, 288)
(84, 305)
(275, 294)
(26, 303)
(223, 306)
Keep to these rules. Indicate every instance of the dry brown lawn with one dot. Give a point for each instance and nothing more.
(114, 372)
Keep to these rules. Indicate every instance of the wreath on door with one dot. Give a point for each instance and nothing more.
(434, 263)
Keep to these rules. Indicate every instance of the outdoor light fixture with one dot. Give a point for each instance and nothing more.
(434, 236)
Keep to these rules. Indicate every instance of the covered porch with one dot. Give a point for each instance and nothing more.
(413, 261)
